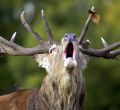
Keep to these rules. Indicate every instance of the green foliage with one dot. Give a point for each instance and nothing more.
(102, 75)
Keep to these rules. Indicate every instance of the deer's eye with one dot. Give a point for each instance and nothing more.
(65, 37)
(52, 50)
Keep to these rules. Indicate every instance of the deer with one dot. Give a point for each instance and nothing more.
(63, 88)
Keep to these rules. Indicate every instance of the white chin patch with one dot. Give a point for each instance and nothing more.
(70, 63)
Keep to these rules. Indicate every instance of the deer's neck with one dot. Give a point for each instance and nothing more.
(60, 93)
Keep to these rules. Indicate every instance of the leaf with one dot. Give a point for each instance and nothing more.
(96, 18)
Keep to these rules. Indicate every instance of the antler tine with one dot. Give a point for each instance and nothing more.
(50, 35)
(85, 28)
(13, 37)
(107, 52)
(29, 28)
(104, 42)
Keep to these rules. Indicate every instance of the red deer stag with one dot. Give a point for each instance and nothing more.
(64, 87)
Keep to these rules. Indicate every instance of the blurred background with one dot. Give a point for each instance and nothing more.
(102, 75)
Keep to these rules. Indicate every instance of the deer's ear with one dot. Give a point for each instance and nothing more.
(38, 58)
(42, 60)
(84, 61)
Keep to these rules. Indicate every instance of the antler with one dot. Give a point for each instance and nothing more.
(29, 28)
(50, 35)
(85, 28)
(9, 47)
(108, 51)
(92, 16)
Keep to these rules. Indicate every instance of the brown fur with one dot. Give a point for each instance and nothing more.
(15, 100)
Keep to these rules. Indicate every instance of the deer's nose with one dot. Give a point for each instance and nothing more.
(70, 37)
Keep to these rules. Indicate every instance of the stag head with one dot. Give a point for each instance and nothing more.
(66, 56)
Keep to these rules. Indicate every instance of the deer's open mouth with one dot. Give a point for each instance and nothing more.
(69, 56)
(69, 51)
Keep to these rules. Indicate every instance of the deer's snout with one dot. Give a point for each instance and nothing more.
(69, 51)
(70, 37)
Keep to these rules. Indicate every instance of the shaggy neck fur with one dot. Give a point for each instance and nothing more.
(60, 90)
(63, 93)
